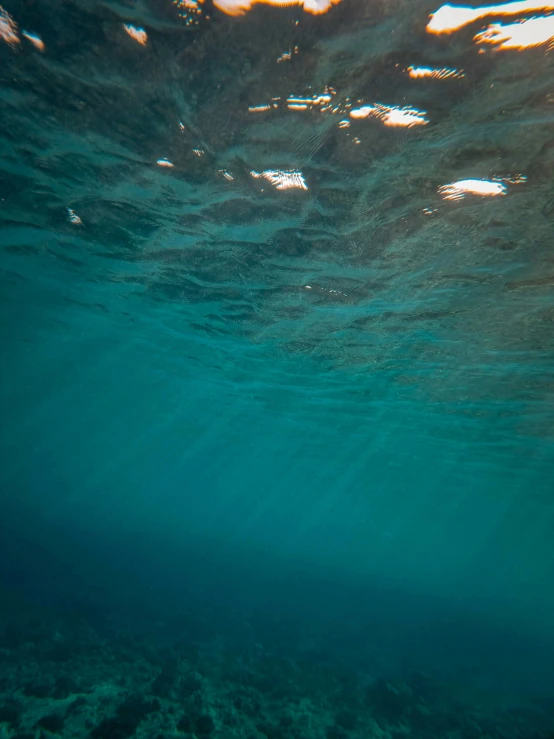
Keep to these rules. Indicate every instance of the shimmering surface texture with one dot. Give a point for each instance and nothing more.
(270, 294)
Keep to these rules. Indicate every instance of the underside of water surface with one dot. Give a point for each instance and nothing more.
(276, 369)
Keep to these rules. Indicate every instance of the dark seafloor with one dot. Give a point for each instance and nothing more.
(276, 370)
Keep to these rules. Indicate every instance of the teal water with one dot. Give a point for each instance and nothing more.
(276, 450)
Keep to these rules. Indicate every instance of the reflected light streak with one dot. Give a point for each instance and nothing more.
(363, 112)
(485, 188)
(35, 39)
(287, 55)
(73, 217)
(189, 10)
(8, 28)
(435, 74)
(450, 18)
(139, 34)
(295, 102)
(523, 35)
(404, 117)
(391, 115)
(517, 179)
(282, 180)
(239, 7)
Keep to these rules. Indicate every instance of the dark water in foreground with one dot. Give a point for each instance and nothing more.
(277, 371)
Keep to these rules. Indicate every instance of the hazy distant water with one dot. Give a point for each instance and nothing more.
(287, 364)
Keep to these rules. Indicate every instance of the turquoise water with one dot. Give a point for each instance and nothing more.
(276, 376)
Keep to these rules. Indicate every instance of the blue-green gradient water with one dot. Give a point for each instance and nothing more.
(277, 372)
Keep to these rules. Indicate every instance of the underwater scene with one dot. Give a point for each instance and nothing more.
(276, 369)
